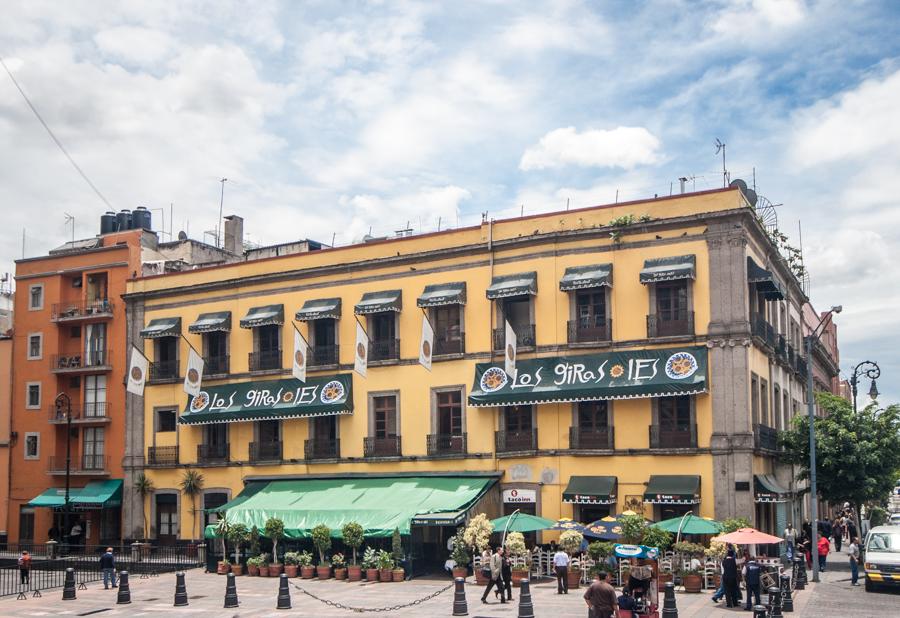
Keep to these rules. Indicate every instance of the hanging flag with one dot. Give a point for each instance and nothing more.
(361, 351)
(510, 352)
(194, 374)
(301, 349)
(137, 372)
(426, 347)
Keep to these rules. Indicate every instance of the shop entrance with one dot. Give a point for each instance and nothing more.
(588, 513)
(166, 518)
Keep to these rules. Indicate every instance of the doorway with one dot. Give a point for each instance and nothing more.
(166, 518)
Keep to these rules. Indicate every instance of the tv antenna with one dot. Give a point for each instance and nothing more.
(221, 203)
(720, 147)
(70, 219)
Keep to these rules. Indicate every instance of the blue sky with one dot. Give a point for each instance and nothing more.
(330, 119)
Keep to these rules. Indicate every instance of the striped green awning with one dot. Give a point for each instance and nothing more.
(263, 316)
(581, 277)
(764, 281)
(379, 302)
(443, 294)
(673, 489)
(520, 284)
(219, 321)
(94, 495)
(162, 327)
(319, 309)
(669, 269)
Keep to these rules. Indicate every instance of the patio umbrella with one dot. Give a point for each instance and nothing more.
(607, 528)
(521, 522)
(690, 525)
(565, 523)
(748, 536)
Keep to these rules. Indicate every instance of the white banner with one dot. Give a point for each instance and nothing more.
(519, 496)
(301, 350)
(426, 347)
(137, 372)
(194, 374)
(361, 351)
(510, 352)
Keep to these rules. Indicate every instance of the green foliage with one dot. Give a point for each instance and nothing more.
(716, 550)
(292, 558)
(144, 487)
(222, 526)
(254, 541)
(877, 516)
(258, 561)
(459, 553)
(685, 547)
(321, 538)
(632, 529)
(275, 531)
(600, 550)
(478, 532)
(370, 558)
(304, 558)
(515, 544)
(338, 561)
(570, 541)
(397, 546)
(622, 221)
(384, 560)
(238, 534)
(352, 532)
(656, 537)
(856, 453)
(191, 486)
(734, 524)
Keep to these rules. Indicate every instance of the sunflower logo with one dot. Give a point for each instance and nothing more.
(426, 349)
(361, 351)
(617, 371)
(288, 397)
(136, 374)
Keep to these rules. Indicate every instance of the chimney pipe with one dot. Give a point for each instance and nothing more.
(234, 235)
(682, 182)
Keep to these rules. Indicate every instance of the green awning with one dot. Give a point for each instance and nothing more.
(593, 377)
(319, 309)
(270, 399)
(379, 504)
(764, 281)
(520, 284)
(581, 277)
(263, 316)
(591, 490)
(94, 495)
(447, 518)
(379, 302)
(767, 489)
(672, 489)
(162, 327)
(219, 321)
(669, 269)
(443, 294)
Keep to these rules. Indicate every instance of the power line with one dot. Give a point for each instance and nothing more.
(53, 137)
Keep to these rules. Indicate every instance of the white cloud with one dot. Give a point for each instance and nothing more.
(134, 45)
(751, 21)
(561, 26)
(623, 147)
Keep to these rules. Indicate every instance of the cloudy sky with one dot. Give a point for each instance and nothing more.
(333, 119)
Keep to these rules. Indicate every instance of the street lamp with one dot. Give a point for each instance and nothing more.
(64, 406)
(871, 370)
(810, 341)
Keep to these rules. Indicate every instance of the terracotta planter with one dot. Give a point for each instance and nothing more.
(252, 570)
(372, 575)
(460, 572)
(692, 583)
(665, 578)
(517, 576)
(354, 572)
(307, 572)
(275, 570)
(291, 570)
(323, 571)
(480, 579)
(340, 573)
(222, 568)
(398, 575)
(574, 577)
(237, 569)
(385, 575)
(264, 570)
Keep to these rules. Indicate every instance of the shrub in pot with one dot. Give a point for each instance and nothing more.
(253, 566)
(339, 562)
(353, 538)
(385, 566)
(692, 580)
(274, 529)
(223, 567)
(238, 534)
(370, 564)
(397, 554)
(460, 556)
(321, 538)
(291, 563)
(570, 541)
(307, 570)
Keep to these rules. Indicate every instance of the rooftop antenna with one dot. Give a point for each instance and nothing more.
(720, 147)
(70, 219)
(221, 202)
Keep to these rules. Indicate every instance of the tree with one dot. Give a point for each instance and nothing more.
(321, 538)
(274, 530)
(353, 536)
(397, 546)
(856, 453)
(191, 486)
(144, 487)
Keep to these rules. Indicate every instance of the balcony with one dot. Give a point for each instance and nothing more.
(264, 361)
(162, 455)
(657, 326)
(800, 366)
(164, 370)
(216, 365)
(93, 362)
(97, 412)
(588, 439)
(446, 444)
(381, 447)
(590, 331)
(515, 441)
(673, 437)
(445, 347)
(212, 453)
(322, 449)
(781, 348)
(384, 350)
(765, 438)
(81, 310)
(266, 451)
(524, 336)
(324, 356)
(759, 327)
(86, 465)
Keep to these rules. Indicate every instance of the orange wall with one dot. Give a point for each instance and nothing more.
(6, 350)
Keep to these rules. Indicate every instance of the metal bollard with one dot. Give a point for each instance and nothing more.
(775, 602)
(231, 597)
(801, 574)
(526, 607)
(759, 611)
(460, 607)
(69, 585)
(787, 601)
(123, 597)
(670, 609)
(284, 593)
(181, 597)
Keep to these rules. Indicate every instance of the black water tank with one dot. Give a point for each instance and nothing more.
(107, 222)
(123, 220)
(141, 219)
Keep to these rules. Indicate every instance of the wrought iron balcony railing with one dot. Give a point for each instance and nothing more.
(589, 330)
(322, 449)
(662, 436)
(266, 451)
(513, 441)
(212, 453)
(384, 349)
(446, 444)
(381, 447)
(265, 360)
(591, 439)
(524, 336)
(162, 455)
(659, 326)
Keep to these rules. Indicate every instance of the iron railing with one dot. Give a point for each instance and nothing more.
(761, 328)
(663, 436)
(85, 464)
(381, 447)
(164, 370)
(765, 437)
(95, 412)
(73, 363)
(444, 346)
(657, 326)
(265, 360)
(216, 364)
(513, 441)
(266, 451)
(322, 449)
(591, 439)
(324, 356)
(524, 336)
(213, 453)
(81, 309)
(162, 455)
(447, 444)
(592, 330)
(384, 349)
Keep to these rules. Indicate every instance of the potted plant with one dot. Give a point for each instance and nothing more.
(397, 554)
(291, 563)
(307, 570)
(385, 562)
(143, 486)
(224, 567)
(253, 566)
(353, 538)
(253, 545)
(274, 529)
(460, 556)
(515, 547)
(477, 535)
(321, 537)
(192, 486)
(339, 562)
(570, 541)
(262, 565)
(222, 527)
(370, 564)
(238, 534)
(691, 579)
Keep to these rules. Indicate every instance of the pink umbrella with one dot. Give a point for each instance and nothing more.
(748, 536)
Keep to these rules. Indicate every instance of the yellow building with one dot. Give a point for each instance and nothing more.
(643, 330)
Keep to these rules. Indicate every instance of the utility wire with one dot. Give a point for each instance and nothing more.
(54, 138)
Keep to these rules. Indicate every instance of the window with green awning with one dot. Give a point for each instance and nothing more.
(218, 321)
(379, 302)
(95, 495)
(263, 316)
(319, 309)
(441, 294)
(583, 277)
(520, 284)
(672, 489)
(669, 269)
(764, 281)
(162, 327)
(591, 490)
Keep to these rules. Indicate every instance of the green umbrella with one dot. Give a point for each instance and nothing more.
(521, 522)
(690, 525)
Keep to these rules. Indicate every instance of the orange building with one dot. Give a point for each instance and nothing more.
(6, 348)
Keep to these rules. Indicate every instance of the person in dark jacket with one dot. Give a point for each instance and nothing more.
(506, 576)
(730, 579)
(108, 566)
(752, 577)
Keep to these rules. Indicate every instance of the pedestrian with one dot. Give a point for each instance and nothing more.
(561, 565)
(506, 575)
(730, 579)
(601, 597)
(824, 548)
(449, 565)
(25, 567)
(486, 563)
(837, 533)
(626, 601)
(752, 573)
(807, 529)
(853, 550)
(790, 540)
(75, 533)
(851, 528)
(496, 567)
(108, 566)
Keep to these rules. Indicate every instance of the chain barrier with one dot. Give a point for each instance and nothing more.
(361, 610)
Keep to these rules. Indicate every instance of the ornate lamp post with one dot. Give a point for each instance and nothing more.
(64, 406)
(871, 370)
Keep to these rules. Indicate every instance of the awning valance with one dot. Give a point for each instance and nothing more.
(443, 294)
(379, 302)
(520, 284)
(263, 316)
(379, 504)
(764, 280)
(319, 309)
(94, 495)
(581, 277)
(271, 399)
(592, 377)
(591, 490)
(672, 489)
(162, 327)
(212, 322)
(447, 518)
(767, 489)
(669, 269)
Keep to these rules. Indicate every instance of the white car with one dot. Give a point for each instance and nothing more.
(895, 519)
(882, 557)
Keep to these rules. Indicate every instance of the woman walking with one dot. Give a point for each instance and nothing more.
(730, 579)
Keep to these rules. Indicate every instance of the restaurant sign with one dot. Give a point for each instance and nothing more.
(613, 375)
(519, 496)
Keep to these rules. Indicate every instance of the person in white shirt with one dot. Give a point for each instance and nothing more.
(561, 564)
(449, 565)
(853, 550)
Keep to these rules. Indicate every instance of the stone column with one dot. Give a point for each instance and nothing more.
(132, 503)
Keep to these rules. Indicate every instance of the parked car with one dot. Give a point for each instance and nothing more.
(882, 557)
(895, 519)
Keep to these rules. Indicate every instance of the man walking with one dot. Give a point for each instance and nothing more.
(790, 540)
(752, 573)
(496, 566)
(108, 566)
(853, 550)
(601, 597)
(561, 564)
(505, 576)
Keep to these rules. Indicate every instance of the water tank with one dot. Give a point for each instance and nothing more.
(141, 219)
(123, 220)
(107, 222)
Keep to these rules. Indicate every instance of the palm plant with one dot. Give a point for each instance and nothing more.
(191, 486)
(144, 487)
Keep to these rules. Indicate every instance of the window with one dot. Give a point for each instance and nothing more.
(267, 343)
(671, 301)
(75, 382)
(75, 332)
(593, 416)
(32, 445)
(324, 342)
(95, 345)
(93, 452)
(448, 334)
(95, 396)
(516, 311)
(786, 409)
(675, 426)
(754, 398)
(26, 524)
(384, 416)
(212, 501)
(36, 297)
(215, 346)
(35, 345)
(33, 396)
(269, 338)
(165, 358)
(383, 336)
(449, 421)
(675, 413)
(590, 309)
(764, 400)
(166, 420)
(517, 419)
